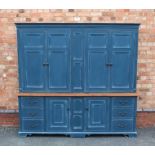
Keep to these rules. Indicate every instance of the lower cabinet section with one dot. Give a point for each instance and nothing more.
(77, 116)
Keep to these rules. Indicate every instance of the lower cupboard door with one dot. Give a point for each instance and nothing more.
(97, 114)
(57, 114)
(77, 114)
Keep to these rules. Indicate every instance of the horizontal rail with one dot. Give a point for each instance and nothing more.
(78, 94)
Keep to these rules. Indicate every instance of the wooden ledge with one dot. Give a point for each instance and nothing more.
(78, 94)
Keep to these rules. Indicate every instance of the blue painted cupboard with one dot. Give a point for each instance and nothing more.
(77, 79)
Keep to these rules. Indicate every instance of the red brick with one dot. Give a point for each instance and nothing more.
(11, 119)
(145, 119)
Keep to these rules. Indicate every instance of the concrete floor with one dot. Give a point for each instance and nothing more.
(9, 136)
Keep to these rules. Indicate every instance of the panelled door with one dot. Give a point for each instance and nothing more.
(58, 58)
(97, 113)
(58, 114)
(32, 74)
(96, 59)
(77, 114)
(122, 61)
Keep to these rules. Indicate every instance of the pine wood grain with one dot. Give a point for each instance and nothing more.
(78, 94)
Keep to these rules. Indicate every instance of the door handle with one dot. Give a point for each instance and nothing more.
(86, 109)
(121, 125)
(34, 125)
(77, 33)
(45, 64)
(109, 64)
(122, 114)
(33, 114)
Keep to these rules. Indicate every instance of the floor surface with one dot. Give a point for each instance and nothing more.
(9, 136)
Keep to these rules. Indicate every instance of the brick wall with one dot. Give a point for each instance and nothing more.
(8, 48)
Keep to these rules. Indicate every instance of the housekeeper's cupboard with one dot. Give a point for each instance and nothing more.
(77, 79)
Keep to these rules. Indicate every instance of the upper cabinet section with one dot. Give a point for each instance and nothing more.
(77, 57)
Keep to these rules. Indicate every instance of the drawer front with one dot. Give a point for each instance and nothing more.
(123, 101)
(122, 112)
(122, 125)
(32, 102)
(33, 113)
(32, 125)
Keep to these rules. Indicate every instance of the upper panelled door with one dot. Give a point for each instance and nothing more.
(31, 60)
(96, 60)
(58, 47)
(122, 60)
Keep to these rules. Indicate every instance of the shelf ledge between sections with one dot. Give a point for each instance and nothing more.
(79, 94)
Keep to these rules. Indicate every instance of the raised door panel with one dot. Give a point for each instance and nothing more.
(96, 60)
(97, 114)
(58, 79)
(57, 114)
(33, 38)
(121, 40)
(77, 76)
(122, 59)
(58, 43)
(121, 70)
(34, 70)
(97, 72)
